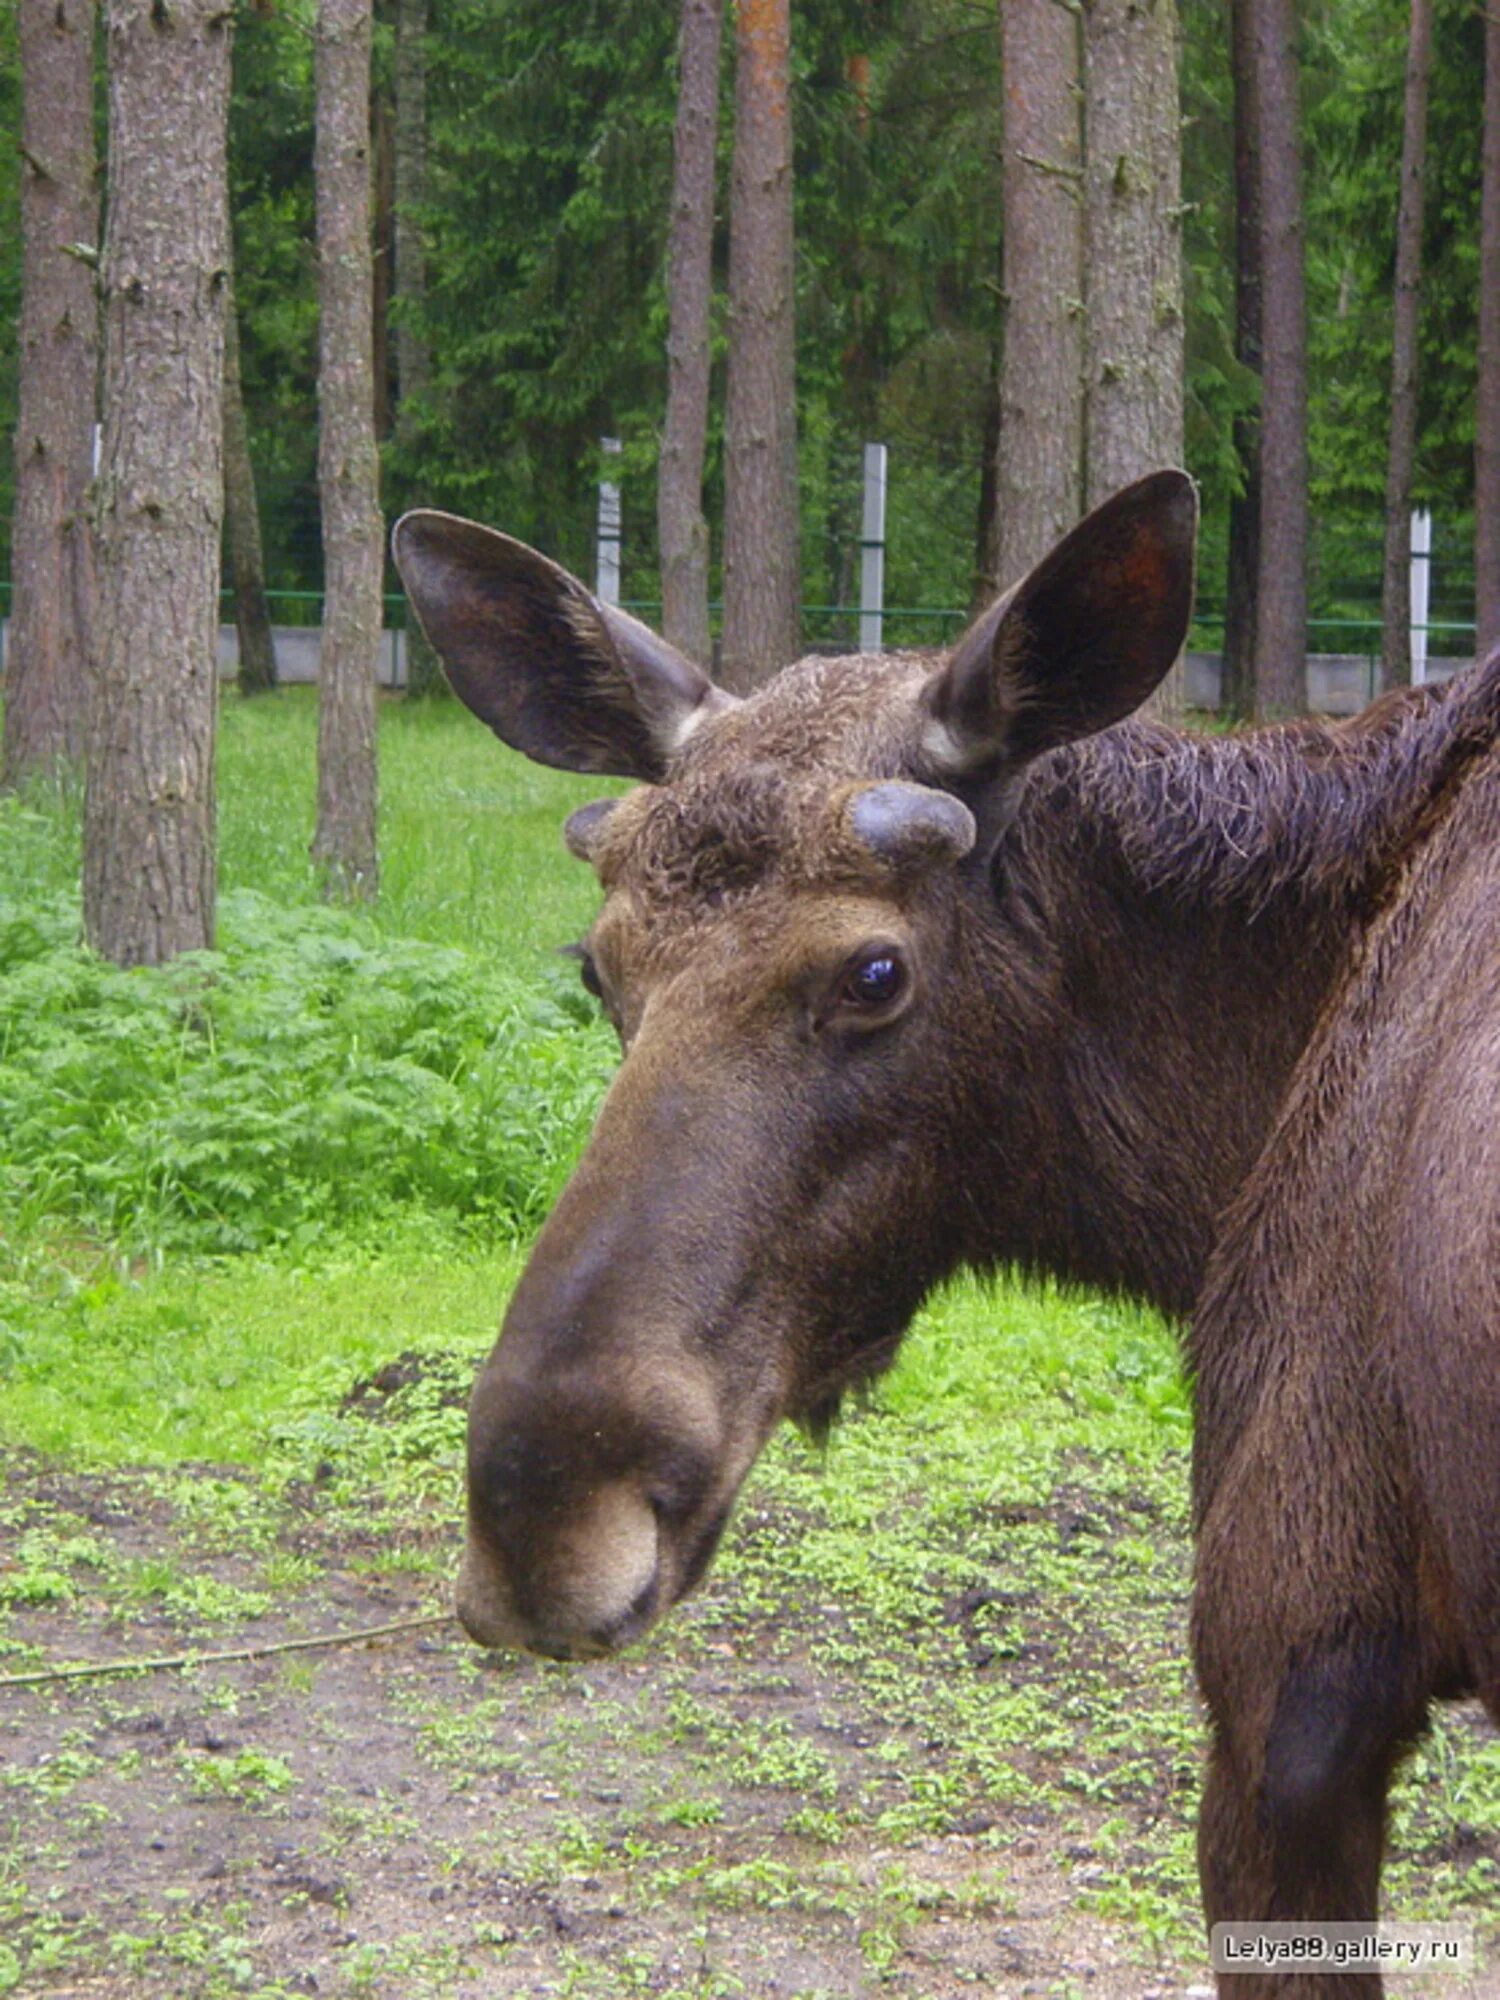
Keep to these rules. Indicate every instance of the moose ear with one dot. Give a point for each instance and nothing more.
(1078, 643)
(555, 673)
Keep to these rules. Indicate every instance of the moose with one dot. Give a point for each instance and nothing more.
(925, 962)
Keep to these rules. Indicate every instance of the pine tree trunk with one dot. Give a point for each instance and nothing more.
(413, 354)
(1039, 460)
(762, 581)
(1395, 594)
(1133, 239)
(348, 470)
(247, 571)
(46, 704)
(1487, 414)
(1281, 587)
(148, 842)
(986, 516)
(383, 254)
(1237, 687)
(682, 529)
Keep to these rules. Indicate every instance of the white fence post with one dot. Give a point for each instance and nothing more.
(607, 563)
(1421, 591)
(872, 553)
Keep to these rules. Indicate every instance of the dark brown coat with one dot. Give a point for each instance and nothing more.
(919, 964)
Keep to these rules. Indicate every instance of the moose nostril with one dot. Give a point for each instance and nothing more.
(681, 1477)
(644, 1605)
(635, 1618)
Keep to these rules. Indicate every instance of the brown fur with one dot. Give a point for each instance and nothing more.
(1347, 1349)
(1214, 1021)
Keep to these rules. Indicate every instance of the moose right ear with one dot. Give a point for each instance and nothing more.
(555, 673)
(1078, 643)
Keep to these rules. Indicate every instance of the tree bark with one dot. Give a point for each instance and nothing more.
(1133, 248)
(424, 675)
(1039, 459)
(46, 705)
(1395, 594)
(148, 841)
(247, 570)
(1487, 415)
(383, 253)
(1281, 584)
(348, 468)
(413, 355)
(682, 529)
(762, 581)
(1237, 690)
(986, 512)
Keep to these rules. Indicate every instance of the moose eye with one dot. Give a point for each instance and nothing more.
(876, 980)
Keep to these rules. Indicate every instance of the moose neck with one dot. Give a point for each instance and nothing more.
(1179, 909)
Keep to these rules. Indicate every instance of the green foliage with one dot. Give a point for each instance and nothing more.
(1219, 388)
(321, 1072)
(550, 163)
(307, 1076)
(1353, 99)
(250, 1777)
(550, 147)
(898, 307)
(271, 210)
(1356, 60)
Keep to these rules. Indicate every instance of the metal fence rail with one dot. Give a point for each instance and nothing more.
(1349, 639)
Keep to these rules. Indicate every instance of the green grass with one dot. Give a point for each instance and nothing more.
(300, 1093)
(471, 847)
(319, 1070)
(227, 1361)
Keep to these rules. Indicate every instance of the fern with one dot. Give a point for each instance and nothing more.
(308, 1076)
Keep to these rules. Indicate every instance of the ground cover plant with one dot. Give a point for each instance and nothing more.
(928, 1729)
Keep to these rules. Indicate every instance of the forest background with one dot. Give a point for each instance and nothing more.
(545, 311)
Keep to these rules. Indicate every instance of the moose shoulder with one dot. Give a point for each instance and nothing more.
(919, 964)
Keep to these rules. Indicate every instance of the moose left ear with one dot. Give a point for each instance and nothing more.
(555, 673)
(1077, 644)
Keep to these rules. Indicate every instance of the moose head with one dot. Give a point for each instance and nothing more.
(828, 1006)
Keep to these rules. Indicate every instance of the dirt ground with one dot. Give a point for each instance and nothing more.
(757, 1803)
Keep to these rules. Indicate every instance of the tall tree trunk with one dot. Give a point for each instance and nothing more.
(1395, 593)
(986, 517)
(46, 704)
(148, 836)
(348, 469)
(1133, 249)
(762, 580)
(1487, 415)
(682, 529)
(1237, 687)
(413, 352)
(383, 249)
(247, 570)
(1039, 461)
(1281, 586)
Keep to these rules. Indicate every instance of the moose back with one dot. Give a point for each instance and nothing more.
(918, 964)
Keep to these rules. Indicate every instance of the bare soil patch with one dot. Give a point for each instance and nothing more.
(774, 1799)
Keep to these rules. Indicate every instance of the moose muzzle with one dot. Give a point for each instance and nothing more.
(602, 1458)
